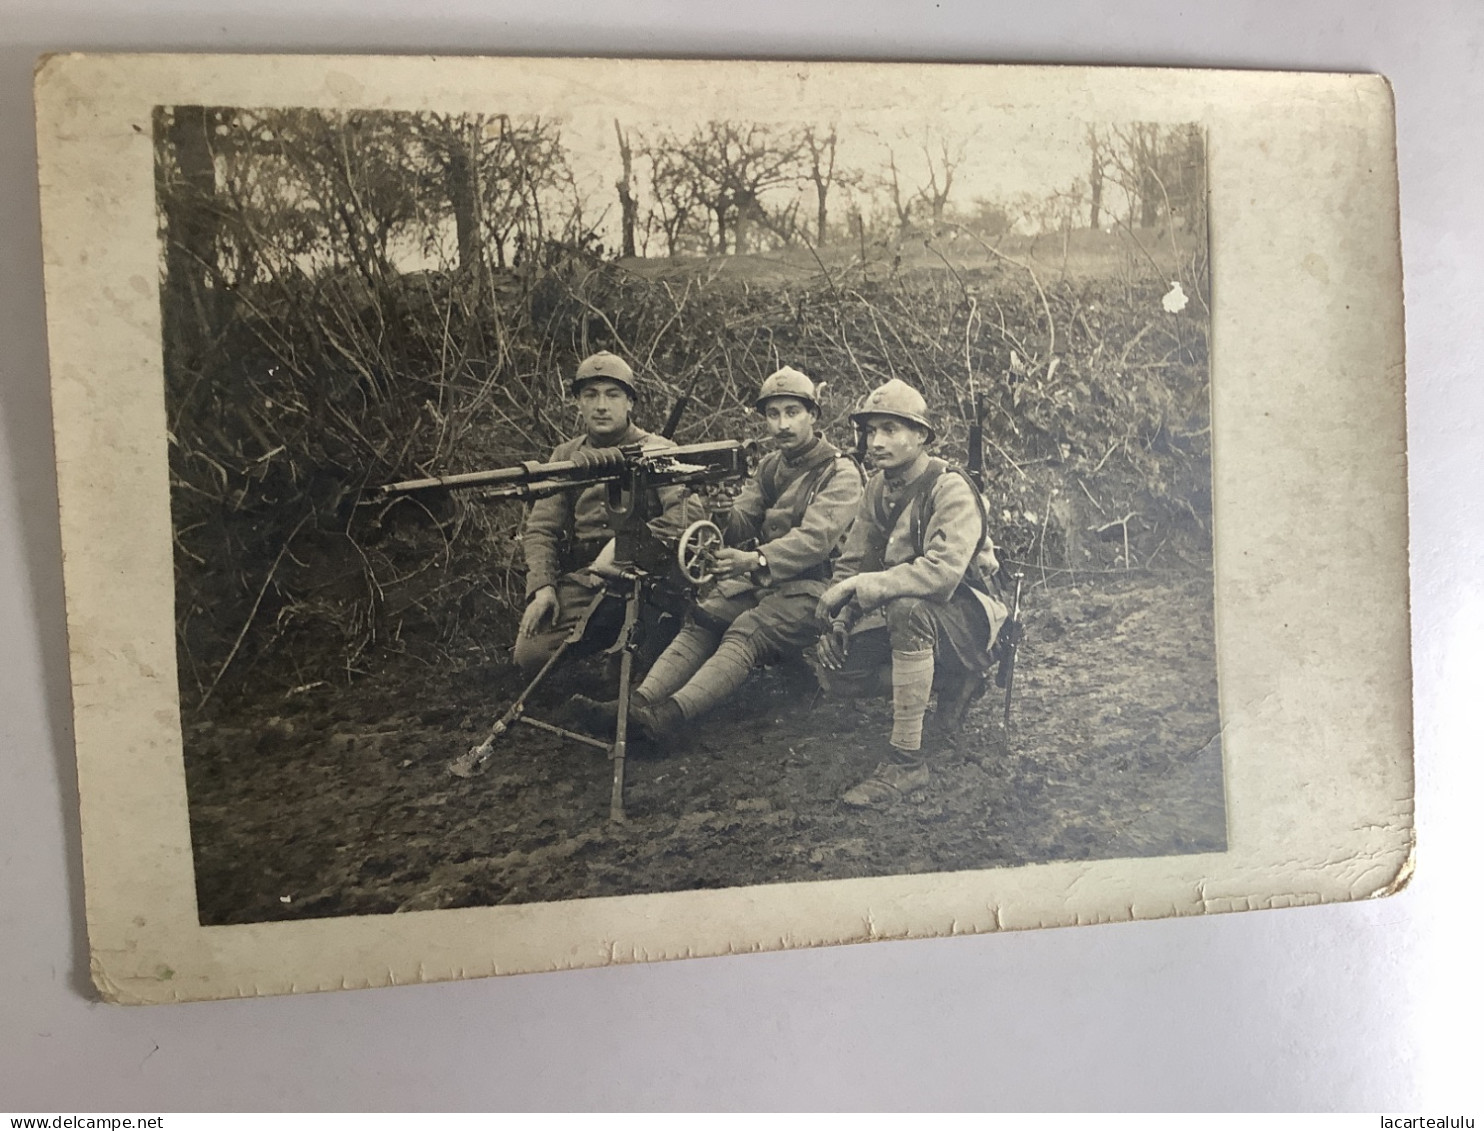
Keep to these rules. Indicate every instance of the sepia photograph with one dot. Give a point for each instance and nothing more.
(523, 514)
(450, 458)
(568, 506)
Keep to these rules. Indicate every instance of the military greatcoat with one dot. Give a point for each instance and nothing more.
(795, 512)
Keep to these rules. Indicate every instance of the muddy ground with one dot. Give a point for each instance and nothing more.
(337, 801)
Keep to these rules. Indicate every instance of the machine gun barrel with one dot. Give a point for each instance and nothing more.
(693, 463)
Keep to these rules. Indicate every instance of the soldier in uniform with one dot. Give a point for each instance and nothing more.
(792, 516)
(568, 534)
(908, 592)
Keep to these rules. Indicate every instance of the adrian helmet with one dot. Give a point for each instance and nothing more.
(895, 398)
(788, 382)
(605, 366)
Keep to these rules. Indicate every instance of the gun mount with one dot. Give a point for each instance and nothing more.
(632, 476)
(695, 553)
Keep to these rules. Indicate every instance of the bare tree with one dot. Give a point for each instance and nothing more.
(1097, 157)
(1160, 169)
(927, 194)
(728, 169)
(943, 156)
(453, 144)
(822, 174)
(527, 162)
(453, 147)
(628, 205)
(1183, 174)
(188, 205)
(676, 202)
(1133, 156)
(901, 199)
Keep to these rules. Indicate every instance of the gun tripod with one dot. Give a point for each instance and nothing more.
(629, 508)
(627, 585)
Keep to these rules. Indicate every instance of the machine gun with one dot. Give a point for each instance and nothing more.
(631, 475)
(620, 468)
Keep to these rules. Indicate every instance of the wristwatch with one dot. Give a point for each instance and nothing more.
(762, 564)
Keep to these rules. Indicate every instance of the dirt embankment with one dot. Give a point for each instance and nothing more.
(337, 802)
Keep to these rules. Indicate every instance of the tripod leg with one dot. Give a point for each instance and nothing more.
(621, 736)
(473, 760)
(625, 678)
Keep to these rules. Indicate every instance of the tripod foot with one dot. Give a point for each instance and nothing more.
(471, 762)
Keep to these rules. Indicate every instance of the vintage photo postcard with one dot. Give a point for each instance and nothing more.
(538, 513)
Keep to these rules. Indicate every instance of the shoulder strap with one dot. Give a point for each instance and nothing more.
(887, 520)
(768, 475)
(823, 473)
(566, 450)
(772, 473)
(921, 515)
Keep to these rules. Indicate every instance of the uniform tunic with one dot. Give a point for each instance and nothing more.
(583, 517)
(564, 533)
(967, 621)
(795, 512)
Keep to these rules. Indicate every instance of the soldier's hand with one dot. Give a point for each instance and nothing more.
(835, 598)
(720, 504)
(543, 603)
(834, 646)
(734, 563)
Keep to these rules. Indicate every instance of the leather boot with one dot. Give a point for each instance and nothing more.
(658, 723)
(595, 714)
(957, 692)
(897, 777)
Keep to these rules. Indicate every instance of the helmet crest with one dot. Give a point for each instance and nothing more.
(788, 382)
(895, 398)
(605, 366)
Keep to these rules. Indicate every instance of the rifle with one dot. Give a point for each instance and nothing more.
(976, 442)
(1012, 632)
(975, 406)
(677, 410)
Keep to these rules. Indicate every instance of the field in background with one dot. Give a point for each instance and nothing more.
(1057, 257)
